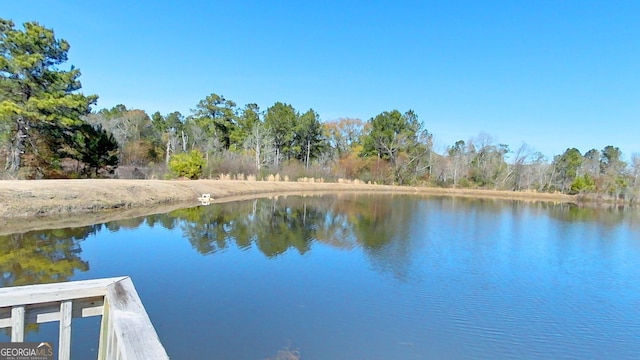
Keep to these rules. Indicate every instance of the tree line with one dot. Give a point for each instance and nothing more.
(49, 130)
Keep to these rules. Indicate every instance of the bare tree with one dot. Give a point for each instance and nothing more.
(260, 142)
(457, 161)
(635, 175)
(517, 171)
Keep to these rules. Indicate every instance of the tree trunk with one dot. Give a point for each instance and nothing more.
(258, 146)
(308, 150)
(168, 151)
(257, 156)
(17, 146)
(184, 142)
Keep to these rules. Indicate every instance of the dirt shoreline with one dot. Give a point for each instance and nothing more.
(38, 204)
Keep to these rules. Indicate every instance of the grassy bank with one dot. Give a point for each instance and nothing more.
(75, 202)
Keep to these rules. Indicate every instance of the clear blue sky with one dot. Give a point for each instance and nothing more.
(552, 74)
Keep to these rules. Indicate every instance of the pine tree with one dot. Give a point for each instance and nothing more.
(37, 98)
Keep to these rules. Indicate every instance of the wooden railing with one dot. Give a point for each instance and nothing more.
(126, 333)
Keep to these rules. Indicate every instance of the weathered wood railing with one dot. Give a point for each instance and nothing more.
(126, 331)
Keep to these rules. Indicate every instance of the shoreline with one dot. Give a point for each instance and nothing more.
(66, 203)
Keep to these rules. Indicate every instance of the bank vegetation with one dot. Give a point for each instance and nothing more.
(50, 130)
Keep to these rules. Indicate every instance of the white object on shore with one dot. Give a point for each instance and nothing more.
(205, 199)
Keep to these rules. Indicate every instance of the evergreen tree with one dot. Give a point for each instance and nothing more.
(94, 147)
(281, 119)
(218, 116)
(309, 137)
(36, 96)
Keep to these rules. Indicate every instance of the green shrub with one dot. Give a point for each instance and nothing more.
(582, 184)
(187, 165)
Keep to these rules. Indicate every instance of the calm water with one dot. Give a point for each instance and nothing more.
(360, 277)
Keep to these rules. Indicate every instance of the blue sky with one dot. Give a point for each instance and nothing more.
(551, 74)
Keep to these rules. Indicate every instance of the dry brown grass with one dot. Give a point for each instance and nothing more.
(72, 200)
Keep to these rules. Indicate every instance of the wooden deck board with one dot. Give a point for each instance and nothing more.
(132, 324)
(34, 294)
(126, 331)
(48, 312)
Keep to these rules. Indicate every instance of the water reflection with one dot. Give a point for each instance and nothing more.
(42, 256)
(277, 225)
(377, 224)
(364, 276)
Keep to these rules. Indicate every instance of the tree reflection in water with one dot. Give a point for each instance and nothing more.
(39, 257)
(276, 225)
(378, 224)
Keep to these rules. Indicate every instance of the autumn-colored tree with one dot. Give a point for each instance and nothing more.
(343, 136)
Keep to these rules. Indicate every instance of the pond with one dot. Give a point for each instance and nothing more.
(359, 276)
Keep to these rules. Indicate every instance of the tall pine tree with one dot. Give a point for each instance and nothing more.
(37, 98)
